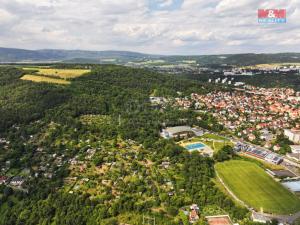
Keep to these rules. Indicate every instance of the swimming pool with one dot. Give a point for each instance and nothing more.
(194, 146)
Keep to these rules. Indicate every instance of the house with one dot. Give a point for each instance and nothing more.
(276, 148)
(165, 164)
(194, 207)
(17, 181)
(3, 179)
(295, 148)
(266, 135)
(193, 216)
(198, 132)
(251, 137)
(3, 141)
(268, 145)
(157, 100)
(293, 135)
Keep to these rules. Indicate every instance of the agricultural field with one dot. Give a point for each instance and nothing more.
(50, 75)
(63, 73)
(36, 78)
(251, 184)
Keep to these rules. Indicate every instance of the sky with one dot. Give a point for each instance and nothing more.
(181, 27)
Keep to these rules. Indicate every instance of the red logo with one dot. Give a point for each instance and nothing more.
(271, 13)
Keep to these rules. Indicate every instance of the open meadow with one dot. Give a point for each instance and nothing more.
(63, 73)
(50, 75)
(252, 185)
(215, 142)
(36, 78)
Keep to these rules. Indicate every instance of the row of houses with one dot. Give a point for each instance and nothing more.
(14, 181)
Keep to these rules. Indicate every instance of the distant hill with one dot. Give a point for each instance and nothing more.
(240, 59)
(52, 55)
(120, 57)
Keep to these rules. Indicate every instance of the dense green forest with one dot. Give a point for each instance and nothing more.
(47, 125)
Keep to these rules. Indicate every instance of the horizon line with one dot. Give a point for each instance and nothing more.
(153, 54)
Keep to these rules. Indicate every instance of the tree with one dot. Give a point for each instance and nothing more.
(224, 154)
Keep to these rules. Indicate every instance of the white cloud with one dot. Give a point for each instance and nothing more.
(5, 16)
(196, 27)
(164, 3)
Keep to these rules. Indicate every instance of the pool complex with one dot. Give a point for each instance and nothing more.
(194, 146)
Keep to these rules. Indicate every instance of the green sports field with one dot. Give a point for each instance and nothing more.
(256, 188)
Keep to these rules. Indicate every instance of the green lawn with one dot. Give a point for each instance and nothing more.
(216, 145)
(214, 136)
(256, 188)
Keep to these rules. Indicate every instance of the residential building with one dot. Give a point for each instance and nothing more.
(3, 179)
(293, 135)
(193, 216)
(177, 132)
(17, 181)
(295, 148)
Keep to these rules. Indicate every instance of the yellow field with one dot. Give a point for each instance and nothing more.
(63, 73)
(50, 75)
(36, 78)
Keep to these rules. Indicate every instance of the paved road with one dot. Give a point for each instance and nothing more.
(281, 218)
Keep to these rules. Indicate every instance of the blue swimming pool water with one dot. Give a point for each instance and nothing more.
(194, 146)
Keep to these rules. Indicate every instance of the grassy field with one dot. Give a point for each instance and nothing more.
(214, 136)
(214, 141)
(251, 184)
(49, 75)
(63, 73)
(36, 78)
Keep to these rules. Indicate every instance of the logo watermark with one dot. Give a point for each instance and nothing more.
(271, 16)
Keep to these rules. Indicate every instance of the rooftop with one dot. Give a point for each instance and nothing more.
(178, 129)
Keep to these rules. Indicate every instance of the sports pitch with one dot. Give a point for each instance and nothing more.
(256, 188)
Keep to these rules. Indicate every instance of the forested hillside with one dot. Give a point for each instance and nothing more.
(122, 57)
(90, 152)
